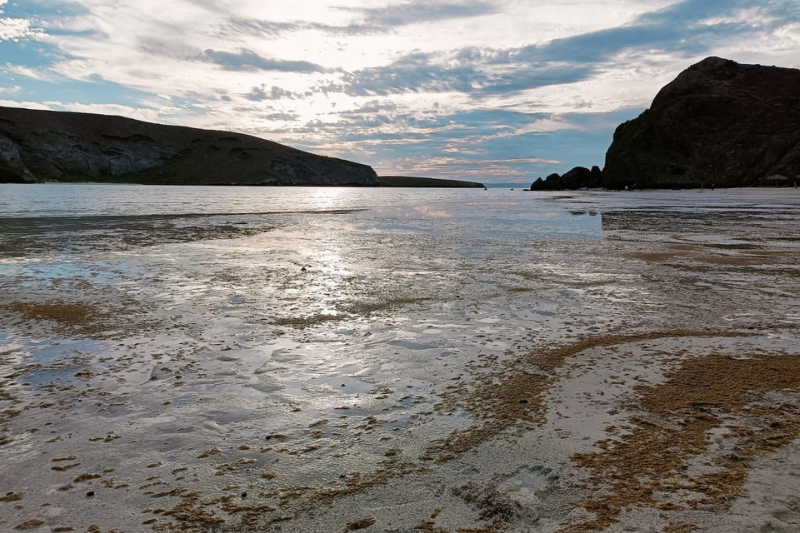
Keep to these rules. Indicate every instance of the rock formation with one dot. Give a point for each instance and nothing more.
(577, 178)
(718, 122)
(59, 146)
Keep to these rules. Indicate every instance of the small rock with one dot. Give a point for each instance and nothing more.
(90, 494)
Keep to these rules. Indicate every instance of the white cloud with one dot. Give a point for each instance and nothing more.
(149, 115)
(12, 29)
(25, 104)
(41, 74)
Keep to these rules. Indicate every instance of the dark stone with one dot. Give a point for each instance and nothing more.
(576, 178)
(537, 185)
(90, 494)
(597, 177)
(550, 183)
(40, 146)
(718, 122)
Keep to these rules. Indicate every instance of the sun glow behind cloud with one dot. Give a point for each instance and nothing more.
(505, 90)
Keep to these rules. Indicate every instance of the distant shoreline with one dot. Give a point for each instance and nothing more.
(409, 181)
(383, 182)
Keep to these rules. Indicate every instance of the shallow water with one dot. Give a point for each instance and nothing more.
(330, 325)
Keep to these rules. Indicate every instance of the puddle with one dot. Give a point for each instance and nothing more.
(53, 351)
(340, 384)
(412, 345)
(60, 376)
(37, 271)
(525, 482)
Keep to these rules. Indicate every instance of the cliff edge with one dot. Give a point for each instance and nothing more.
(59, 146)
(718, 122)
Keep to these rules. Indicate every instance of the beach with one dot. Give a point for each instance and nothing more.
(303, 359)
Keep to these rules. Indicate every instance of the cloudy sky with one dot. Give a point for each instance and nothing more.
(489, 90)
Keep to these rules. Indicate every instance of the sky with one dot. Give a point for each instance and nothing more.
(498, 91)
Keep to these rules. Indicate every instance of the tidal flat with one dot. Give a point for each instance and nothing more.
(318, 360)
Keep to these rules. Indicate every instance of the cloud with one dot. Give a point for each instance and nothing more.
(25, 104)
(32, 73)
(680, 27)
(519, 160)
(258, 94)
(453, 168)
(281, 117)
(440, 161)
(234, 26)
(415, 72)
(469, 70)
(423, 11)
(369, 21)
(248, 60)
(149, 115)
(689, 28)
(15, 29)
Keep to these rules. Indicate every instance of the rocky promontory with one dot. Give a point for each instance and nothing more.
(40, 146)
(719, 122)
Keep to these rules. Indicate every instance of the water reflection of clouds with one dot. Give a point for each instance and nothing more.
(416, 211)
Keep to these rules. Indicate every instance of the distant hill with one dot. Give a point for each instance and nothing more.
(406, 181)
(38, 146)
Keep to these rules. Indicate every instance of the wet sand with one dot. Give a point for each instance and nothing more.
(631, 366)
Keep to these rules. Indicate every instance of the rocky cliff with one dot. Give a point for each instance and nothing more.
(58, 146)
(718, 122)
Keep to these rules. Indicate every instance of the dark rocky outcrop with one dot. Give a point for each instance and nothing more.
(577, 178)
(550, 183)
(406, 181)
(718, 122)
(59, 146)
